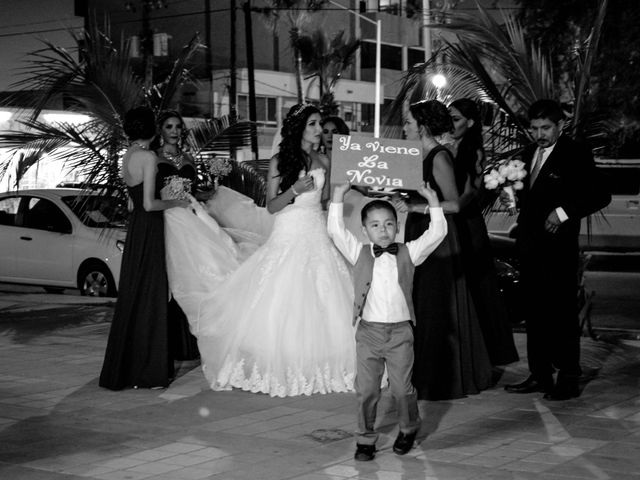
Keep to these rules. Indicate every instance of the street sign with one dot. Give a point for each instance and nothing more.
(380, 163)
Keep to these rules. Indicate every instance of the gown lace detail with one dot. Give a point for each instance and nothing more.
(277, 322)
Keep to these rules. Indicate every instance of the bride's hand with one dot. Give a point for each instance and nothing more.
(303, 184)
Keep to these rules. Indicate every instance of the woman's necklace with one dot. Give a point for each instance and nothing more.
(143, 147)
(175, 158)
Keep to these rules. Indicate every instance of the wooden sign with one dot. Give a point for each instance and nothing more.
(380, 163)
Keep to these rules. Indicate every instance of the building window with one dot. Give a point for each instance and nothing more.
(415, 56)
(391, 56)
(265, 109)
(389, 6)
(367, 117)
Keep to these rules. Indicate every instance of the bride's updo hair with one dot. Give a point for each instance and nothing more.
(291, 157)
(139, 124)
(433, 115)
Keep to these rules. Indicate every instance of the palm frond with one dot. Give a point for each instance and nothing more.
(512, 59)
(219, 134)
(96, 80)
(584, 69)
(325, 59)
(162, 95)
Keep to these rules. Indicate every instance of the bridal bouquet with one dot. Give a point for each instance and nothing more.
(218, 167)
(176, 187)
(507, 175)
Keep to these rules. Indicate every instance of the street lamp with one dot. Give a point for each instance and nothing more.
(439, 80)
(378, 24)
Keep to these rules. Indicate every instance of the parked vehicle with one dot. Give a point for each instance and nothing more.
(62, 238)
(616, 228)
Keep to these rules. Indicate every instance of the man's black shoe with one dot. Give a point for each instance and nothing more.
(530, 385)
(365, 453)
(563, 391)
(403, 442)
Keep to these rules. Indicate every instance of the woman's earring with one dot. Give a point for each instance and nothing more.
(161, 140)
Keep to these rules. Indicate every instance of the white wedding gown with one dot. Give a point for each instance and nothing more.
(277, 322)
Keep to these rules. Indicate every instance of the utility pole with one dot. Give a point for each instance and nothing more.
(207, 53)
(426, 32)
(233, 112)
(146, 40)
(147, 47)
(251, 73)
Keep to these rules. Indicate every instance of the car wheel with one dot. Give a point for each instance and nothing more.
(95, 280)
(56, 290)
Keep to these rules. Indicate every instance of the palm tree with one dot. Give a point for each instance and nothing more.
(101, 84)
(296, 14)
(495, 63)
(325, 60)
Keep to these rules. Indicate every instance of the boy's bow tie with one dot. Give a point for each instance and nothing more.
(392, 248)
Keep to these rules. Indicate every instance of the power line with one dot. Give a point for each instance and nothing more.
(180, 15)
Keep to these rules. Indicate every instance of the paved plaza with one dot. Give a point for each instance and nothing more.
(56, 423)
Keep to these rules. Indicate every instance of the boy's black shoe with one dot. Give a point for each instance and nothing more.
(364, 453)
(404, 442)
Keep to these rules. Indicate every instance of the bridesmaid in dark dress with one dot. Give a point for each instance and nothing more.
(172, 160)
(137, 353)
(451, 359)
(476, 247)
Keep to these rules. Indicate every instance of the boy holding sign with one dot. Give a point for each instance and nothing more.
(383, 281)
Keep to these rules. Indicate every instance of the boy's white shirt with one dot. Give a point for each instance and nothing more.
(386, 302)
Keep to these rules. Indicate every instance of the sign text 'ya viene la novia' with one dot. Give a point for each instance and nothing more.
(376, 162)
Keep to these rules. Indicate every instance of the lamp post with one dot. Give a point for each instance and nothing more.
(378, 24)
(426, 33)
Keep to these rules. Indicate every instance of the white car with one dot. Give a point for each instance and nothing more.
(62, 238)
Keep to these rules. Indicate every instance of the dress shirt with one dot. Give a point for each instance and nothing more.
(385, 301)
(562, 215)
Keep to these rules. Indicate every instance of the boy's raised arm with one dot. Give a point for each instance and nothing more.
(343, 239)
(423, 246)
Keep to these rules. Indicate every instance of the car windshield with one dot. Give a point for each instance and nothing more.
(98, 211)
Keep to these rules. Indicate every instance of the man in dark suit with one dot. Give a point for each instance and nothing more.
(561, 188)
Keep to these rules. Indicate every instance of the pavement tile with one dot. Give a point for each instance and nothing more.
(123, 475)
(56, 423)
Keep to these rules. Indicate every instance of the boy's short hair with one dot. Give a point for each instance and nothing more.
(377, 205)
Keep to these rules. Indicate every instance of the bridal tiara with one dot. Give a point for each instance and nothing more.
(298, 109)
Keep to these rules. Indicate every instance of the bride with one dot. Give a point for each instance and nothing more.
(279, 321)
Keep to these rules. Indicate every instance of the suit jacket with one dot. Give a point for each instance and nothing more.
(568, 179)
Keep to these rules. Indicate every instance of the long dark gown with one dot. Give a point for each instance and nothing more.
(451, 359)
(481, 272)
(138, 351)
(183, 345)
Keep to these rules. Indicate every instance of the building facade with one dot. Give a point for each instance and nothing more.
(165, 26)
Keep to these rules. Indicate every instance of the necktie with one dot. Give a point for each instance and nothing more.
(391, 248)
(536, 167)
